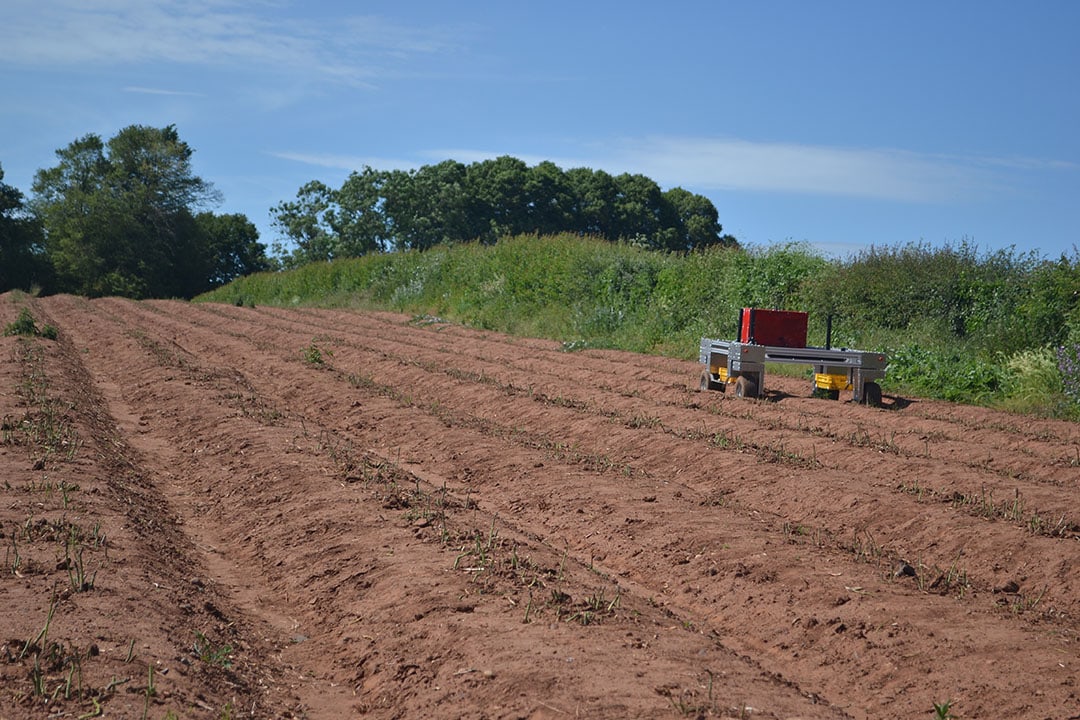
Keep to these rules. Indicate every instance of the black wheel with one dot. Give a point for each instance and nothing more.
(745, 387)
(832, 394)
(871, 394)
(707, 383)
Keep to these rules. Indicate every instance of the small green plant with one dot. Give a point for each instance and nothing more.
(314, 355)
(943, 711)
(211, 653)
(150, 691)
(25, 326)
(80, 579)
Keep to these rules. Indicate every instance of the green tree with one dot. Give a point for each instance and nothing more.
(430, 206)
(357, 217)
(595, 193)
(304, 222)
(23, 263)
(696, 220)
(497, 187)
(451, 202)
(549, 200)
(231, 246)
(118, 217)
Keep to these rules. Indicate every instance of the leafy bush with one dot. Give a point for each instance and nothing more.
(26, 326)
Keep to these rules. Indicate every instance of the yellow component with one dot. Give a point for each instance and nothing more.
(719, 370)
(828, 381)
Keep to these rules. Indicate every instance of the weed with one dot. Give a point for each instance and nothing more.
(211, 653)
(80, 580)
(150, 691)
(16, 559)
(862, 438)
(1023, 603)
(944, 710)
(314, 355)
(915, 488)
(25, 326)
(42, 636)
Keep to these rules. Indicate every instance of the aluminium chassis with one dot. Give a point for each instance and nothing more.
(743, 364)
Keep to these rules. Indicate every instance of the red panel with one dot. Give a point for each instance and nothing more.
(779, 328)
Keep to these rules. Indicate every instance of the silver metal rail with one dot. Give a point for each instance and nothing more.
(743, 364)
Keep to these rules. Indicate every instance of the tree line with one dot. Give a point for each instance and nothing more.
(129, 217)
(123, 217)
(451, 202)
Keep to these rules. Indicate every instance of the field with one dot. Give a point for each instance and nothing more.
(213, 511)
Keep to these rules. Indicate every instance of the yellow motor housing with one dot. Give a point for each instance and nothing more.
(831, 381)
(720, 371)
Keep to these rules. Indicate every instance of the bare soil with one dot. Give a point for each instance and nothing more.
(218, 512)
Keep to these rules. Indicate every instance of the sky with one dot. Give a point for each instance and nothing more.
(839, 124)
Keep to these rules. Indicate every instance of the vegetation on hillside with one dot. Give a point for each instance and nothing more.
(993, 328)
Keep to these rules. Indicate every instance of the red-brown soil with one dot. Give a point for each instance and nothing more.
(237, 512)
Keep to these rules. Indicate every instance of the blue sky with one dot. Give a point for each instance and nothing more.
(841, 124)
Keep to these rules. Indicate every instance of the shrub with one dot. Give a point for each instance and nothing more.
(25, 326)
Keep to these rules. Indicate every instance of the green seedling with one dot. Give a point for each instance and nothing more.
(943, 711)
(211, 654)
(314, 355)
(44, 634)
(150, 691)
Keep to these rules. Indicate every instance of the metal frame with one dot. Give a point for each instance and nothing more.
(748, 360)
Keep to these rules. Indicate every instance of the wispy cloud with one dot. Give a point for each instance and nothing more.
(347, 162)
(261, 36)
(160, 91)
(744, 165)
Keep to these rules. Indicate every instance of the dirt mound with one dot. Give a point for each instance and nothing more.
(212, 511)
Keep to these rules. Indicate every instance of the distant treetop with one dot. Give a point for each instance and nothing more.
(379, 210)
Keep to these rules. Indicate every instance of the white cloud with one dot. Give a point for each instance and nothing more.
(348, 50)
(160, 91)
(731, 164)
(346, 162)
(743, 165)
(734, 164)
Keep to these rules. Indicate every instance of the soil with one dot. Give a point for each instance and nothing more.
(211, 511)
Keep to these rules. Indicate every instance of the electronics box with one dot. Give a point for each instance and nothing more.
(780, 328)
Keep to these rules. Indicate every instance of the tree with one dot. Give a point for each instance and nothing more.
(23, 264)
(429, 206)
(594, 193)
(697, 221)
(639, 211)
(549, 200)
(485, 201)
(304, 222)
(231, 246)
(358, 219)
(497, 187)
(118, 217)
